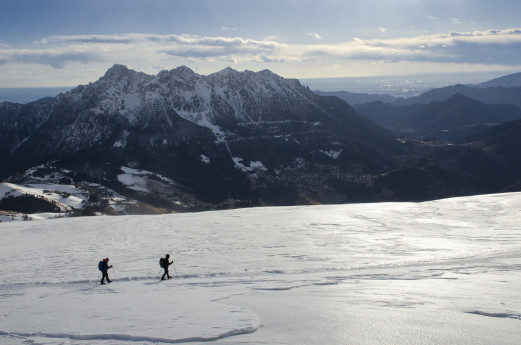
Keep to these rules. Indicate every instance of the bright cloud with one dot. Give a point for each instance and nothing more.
(498, 47)
(57, 51)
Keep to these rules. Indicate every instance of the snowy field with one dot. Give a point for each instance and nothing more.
(442, 272)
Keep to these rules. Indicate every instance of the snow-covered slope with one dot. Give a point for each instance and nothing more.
(442, 272)
(64, 197)
(48, 192)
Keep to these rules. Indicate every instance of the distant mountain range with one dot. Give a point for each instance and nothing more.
(454, 118)
(448, 113)
(358, 98)
(502, 90)
(487, 95)
(511, 80)
(180, 141)
(29, 94)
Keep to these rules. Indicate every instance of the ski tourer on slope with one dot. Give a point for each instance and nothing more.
(164, 263)
(104, 270)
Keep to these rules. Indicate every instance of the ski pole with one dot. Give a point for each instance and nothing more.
(173, 263)
(114, 273)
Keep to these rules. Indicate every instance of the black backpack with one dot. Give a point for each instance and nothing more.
(162, 262)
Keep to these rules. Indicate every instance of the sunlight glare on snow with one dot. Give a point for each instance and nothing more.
(442, 272)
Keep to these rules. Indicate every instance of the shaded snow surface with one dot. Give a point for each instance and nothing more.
(441, 272)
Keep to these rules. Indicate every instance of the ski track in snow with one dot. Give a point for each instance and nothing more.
(236, 273)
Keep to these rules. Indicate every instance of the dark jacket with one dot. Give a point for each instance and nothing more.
(167, 263)
(104, 266)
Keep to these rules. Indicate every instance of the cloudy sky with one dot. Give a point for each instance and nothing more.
(71, 42)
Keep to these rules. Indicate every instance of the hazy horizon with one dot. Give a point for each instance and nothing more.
(397, 86)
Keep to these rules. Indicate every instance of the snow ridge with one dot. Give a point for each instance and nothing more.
(126, 337)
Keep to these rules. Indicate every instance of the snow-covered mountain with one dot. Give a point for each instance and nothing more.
(247, 137)
(228, 103)
(440, 272)
(224, 140)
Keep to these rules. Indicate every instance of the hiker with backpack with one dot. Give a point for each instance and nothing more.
(103, 266)
(164, 263)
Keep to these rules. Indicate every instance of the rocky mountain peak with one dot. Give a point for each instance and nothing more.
(226, 72)
(183, 72)
(116, 72)
(120, 76)
(175, 77)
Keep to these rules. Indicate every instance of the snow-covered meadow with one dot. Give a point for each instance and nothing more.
(441, 272)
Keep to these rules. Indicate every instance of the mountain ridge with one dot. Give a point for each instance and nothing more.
(180, 141)
(510, 80)
(358, 98)
(487, 95)
(456, 117)
(229, 135)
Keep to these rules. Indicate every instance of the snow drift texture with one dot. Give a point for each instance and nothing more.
(442, 272)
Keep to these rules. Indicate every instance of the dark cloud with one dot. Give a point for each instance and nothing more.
(87, 39)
